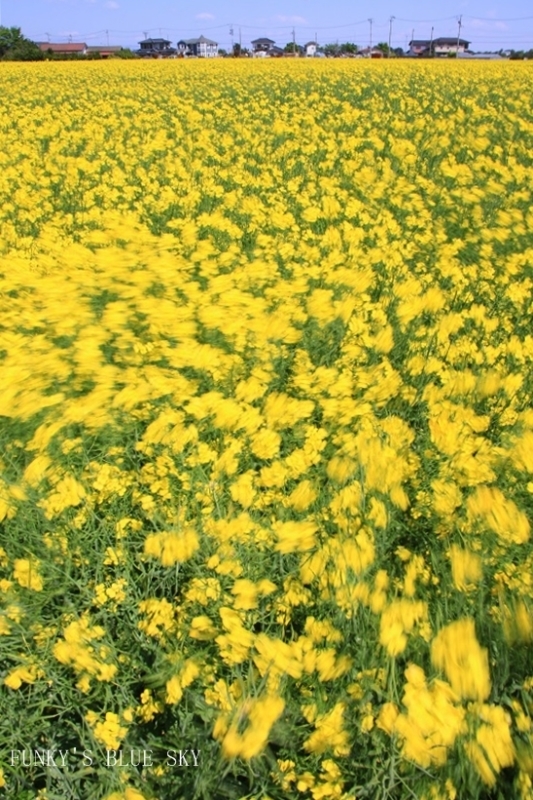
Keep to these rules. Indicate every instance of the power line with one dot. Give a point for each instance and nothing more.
(441, 19)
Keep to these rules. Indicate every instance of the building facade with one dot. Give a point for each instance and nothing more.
(156, 48)
(442, 46)
(261, 47)
(201, 47)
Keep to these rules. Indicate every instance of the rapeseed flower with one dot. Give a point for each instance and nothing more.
(456, 651)
(246, 733)
(329, 733)
(172, 547)
(26, 573)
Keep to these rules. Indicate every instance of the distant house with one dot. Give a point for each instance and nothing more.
(440, 47)
(201, 47)
(64, 49)
(105, 50)
(156, 48)
(417, 47)
(261, 46)
(370, 52)
(310, 49)
(445, 45)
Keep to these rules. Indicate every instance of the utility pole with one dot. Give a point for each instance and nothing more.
(232, 46)
(240, 42)
(48, 35)
(293, 44)
(370, 47)
(107, 36)
(431, 44)
(459, 34)
(390, 34)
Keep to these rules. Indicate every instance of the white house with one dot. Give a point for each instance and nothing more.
(201, 47)
(445, 45)
(310, 48)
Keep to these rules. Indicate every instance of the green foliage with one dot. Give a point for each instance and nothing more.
(125, 53)
(15, 47)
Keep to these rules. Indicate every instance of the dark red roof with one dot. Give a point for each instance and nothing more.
(69, 47)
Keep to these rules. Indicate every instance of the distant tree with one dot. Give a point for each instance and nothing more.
(398, 52)
(125, 52)
(384, 47)
(291, 47)
(331, 49)
(15, 47)
(223, 53)
(9, 38)
(348, 47)
(237, 50)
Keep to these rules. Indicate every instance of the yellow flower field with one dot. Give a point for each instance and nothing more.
(266, 427)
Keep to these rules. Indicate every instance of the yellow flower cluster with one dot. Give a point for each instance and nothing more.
(245, 732)
(110, 732)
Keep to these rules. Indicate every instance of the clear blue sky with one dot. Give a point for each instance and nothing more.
(487, 25)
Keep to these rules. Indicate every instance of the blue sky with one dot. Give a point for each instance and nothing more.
(487, 25)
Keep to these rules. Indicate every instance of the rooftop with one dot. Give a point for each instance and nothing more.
(104, 48)
(65, 47)
(443, 40)
(155, 41)
(200, 40)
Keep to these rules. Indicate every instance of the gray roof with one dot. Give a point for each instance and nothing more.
(443, 40)
(155, 41)
(263, 40)
(107, 48)
(450, 40)
(200, 40)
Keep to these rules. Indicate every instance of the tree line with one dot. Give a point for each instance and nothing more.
(16, 47)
